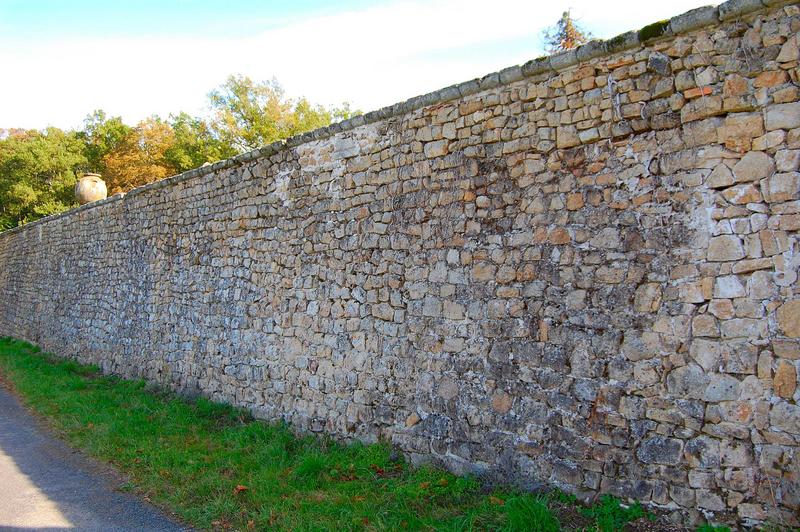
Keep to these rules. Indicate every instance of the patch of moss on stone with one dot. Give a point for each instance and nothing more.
(617, 42)
(653, 31)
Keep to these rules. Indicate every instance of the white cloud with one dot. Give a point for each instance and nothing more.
(371, 57)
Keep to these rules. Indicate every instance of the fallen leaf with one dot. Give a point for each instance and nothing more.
(359, 498)
(239, 488)
(496, 500)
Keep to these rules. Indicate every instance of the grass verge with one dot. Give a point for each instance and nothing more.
(217, 468)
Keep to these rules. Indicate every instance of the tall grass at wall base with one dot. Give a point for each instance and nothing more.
(215, 467)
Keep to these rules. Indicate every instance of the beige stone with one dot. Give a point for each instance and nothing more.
(785, 379)
(755, 165)
(483, 271)
(705, 325)
(786, 348)
(701, 108)
(720, 177)
(559, 235)
(501, 402)
(436, 148)
(788, 316)
(721, 308)
(575, 201)
(725, 248)
(789, 51)
(738, 130)
(773, 242)
(647, 298)
(781, 187)
(742, 194)
(770, 78)
(735, 85)
(567, 136)
(783, 116)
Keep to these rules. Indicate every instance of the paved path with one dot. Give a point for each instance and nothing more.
(46, 485)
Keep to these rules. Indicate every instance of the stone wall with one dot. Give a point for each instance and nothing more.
(581, 271)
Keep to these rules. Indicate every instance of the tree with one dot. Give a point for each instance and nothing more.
(140, 157)
(195, 144)
(102, 135)
(248, 115)
(565, 35)
(38, 171)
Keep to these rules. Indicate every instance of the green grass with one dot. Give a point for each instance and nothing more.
(711, 528)
(215, 467)
(609, 515)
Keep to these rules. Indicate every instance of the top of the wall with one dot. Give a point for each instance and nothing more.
(691, 20)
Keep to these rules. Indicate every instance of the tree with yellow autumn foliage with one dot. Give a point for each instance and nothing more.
(140, 157)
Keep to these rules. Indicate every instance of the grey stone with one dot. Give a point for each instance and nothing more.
(660, 450)
(659, 63)
(721, 387)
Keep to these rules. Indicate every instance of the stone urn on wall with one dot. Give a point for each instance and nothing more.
(90, 188)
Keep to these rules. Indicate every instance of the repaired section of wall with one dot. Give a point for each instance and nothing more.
(579, 272)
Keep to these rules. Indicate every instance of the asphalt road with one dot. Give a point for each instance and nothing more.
(46, 485)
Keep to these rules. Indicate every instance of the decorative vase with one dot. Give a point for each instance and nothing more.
(90, 188)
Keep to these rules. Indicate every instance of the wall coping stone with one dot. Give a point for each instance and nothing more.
(680, 24)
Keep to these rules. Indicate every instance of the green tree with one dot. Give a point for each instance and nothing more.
(102, 135)
(195, 143)
(38, 171)
(248, 115)
(565, 35)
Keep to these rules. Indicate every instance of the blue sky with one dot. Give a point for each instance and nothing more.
(62, 59)
(23, 19)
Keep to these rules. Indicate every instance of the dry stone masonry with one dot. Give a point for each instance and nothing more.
(580, 272)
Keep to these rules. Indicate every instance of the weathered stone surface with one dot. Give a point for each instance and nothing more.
(660, 450)
(583, 270)
(687, 382)
(705, 325)
(785, 380)
(720, 177)
(789, 51)
(728, 286)
(647, 298)
(786, 417)
(783, 116)
(501, 402)
(725, 248)
(789, 318)
(781, 187)
(707, 353)
(721, 387)
(738, 130)
(703, 452)
(742, 194)
(755, 165)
